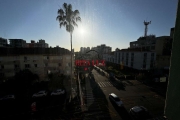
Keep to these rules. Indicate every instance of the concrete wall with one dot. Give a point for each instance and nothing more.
(172, 105)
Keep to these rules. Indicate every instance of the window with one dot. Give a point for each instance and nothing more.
(2, 66)
(25, 58)
(132, 59)
(46, 64)
(35, 65)
(132, 54)
(2, 75)
(68, 58)
(127, 54)
(152, 47)
(27, 65)
(116, 99)
(16, 66)
(68, 64)
(151, 65)
(127, 63)
(152, 54)
(131, 64)
(144, 60)
(145, 54)
(144, 65)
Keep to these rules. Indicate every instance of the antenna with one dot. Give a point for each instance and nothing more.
(146, 27)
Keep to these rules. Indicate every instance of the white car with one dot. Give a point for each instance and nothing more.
(58, 92)
(115, 99)
(40, 94)
(8, 97)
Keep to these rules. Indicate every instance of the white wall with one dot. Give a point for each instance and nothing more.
(138, 58)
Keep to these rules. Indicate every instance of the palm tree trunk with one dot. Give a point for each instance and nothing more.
(71, 63)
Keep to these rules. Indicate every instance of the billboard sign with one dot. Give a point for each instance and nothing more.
(90, 62)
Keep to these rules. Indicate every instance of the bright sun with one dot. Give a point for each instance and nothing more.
(82, 31)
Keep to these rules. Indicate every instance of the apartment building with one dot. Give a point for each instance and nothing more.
(147, 42)
(3, 42)
(41, 44)
(39, 61)
(136, 59)
(84, 49)
(19, 43)
(161, 45)
(102, 49)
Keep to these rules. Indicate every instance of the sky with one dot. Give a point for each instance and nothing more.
(111, 22)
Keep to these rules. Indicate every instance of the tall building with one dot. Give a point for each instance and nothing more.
(18, 43)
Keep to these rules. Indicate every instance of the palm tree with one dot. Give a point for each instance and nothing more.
(68, 18)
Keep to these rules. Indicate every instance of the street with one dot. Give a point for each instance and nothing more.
(131, 92)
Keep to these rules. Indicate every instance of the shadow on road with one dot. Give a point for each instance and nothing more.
(99, 108)
(122, 112)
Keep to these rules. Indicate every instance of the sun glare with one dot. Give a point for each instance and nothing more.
(82, 31)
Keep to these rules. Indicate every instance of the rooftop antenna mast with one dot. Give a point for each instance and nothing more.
(146, 27)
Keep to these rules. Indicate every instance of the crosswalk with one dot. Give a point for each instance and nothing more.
(107, 84)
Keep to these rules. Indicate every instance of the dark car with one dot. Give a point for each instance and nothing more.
(139, 113)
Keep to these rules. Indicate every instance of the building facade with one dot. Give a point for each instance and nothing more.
(140, 60)
(42, 62)
(3, 42)
(19, 43)
(147, 43)
(102, 49)
(40, 44)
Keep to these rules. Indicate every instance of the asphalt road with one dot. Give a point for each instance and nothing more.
(131, 92)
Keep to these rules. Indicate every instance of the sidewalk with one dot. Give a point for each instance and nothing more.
(87, 94)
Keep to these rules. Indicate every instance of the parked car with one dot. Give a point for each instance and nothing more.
(8, 97)
(139, 113)
(58, 92)
(42, 93)
(115, 99)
